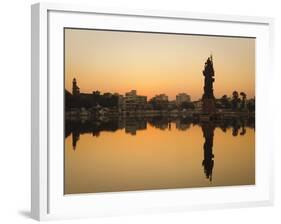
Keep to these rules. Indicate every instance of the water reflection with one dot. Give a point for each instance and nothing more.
(133, 125)
(208, 161)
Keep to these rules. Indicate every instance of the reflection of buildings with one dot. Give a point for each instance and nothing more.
(161, 123)
(208, 161)
(180, 125)
(182, 98)
(103, 114)
(132, 126)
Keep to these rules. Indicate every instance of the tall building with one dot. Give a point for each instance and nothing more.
(132, 101)
(181, 98)
(120, 101)
(160, 102)
(161, 97)
(75, 88)
(198, 105)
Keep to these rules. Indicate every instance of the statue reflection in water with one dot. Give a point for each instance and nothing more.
(208, 161)
(132, 126)
(75, 138)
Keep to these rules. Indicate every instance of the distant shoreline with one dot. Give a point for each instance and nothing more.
(90, 115)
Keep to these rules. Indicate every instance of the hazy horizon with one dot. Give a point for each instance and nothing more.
(154, 63)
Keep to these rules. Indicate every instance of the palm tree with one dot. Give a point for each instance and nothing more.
(235, 100)
(224, 101)
(244, 96)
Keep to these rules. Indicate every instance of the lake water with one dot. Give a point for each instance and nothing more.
(157, 153)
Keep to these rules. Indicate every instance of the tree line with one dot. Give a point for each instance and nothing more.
(237, 102)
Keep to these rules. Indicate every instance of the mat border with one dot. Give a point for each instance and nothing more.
(39, 90)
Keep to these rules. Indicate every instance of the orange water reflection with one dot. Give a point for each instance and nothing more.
(155, 157)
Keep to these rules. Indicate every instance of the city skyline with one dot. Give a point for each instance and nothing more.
(132, 111)
(76, 90)
(149, 98)
(151, 63)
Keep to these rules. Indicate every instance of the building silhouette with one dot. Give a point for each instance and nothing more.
(181, 98)
(75, 88)
(133, 102)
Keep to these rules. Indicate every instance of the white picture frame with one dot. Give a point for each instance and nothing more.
(47, 199)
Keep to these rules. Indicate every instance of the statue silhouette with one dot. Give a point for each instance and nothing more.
(208, 95)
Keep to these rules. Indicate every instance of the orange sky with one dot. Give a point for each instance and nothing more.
(112, 61)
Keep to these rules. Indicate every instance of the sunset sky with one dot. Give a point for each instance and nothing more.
(151, 63)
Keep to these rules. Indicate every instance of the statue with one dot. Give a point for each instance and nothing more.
(208, 95)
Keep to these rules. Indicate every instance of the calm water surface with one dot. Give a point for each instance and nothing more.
(160, 154)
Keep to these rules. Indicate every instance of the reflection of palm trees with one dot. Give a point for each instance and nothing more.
(134, 124)
(243, 131)
(236, 126)
(235, 130)
(208, 161)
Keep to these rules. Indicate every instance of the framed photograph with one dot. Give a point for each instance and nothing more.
(138, 111)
